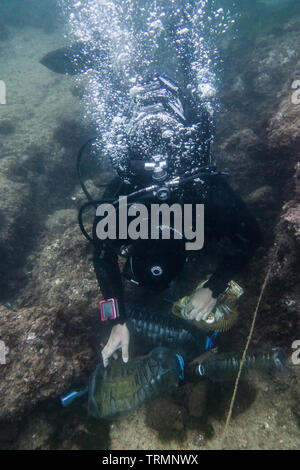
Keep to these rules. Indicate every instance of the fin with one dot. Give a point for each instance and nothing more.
(71, 60)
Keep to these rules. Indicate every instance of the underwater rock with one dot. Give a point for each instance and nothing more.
(197, 400)
(79, 198)
(36, 433)
(70, 133)
(61, 220)
(166, 417)
(292, 25)
(291, 219)
(245, 138)
(296, 399)
(258, 118)
(46, 355)
(267, 175)
(77, 436)
(63, 277)
(17, 220)
(262, 197)
(284, 126)
(285, 274)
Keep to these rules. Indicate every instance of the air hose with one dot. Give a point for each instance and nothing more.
(176, 182)
(78, 167)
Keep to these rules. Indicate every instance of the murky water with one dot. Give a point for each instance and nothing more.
(239, 61)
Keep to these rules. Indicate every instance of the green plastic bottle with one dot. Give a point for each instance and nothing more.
(123, 387)
(257, 364)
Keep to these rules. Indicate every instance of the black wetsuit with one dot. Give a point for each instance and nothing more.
(226, 217)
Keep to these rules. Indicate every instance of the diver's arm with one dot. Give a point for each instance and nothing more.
(230, 218)
(110, 282)
(227, 216)
(109, 278)
(106, 260)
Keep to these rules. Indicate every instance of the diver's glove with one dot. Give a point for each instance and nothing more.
(200, 305)
(119, 339)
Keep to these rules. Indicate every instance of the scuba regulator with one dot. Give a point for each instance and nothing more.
(158, 168)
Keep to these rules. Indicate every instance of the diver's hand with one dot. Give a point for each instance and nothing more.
(119, 339)
(201, 304)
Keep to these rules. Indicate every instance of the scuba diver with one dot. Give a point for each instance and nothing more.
(161, 150)
(166, 158)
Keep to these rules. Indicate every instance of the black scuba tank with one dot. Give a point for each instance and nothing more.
(169, 331)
